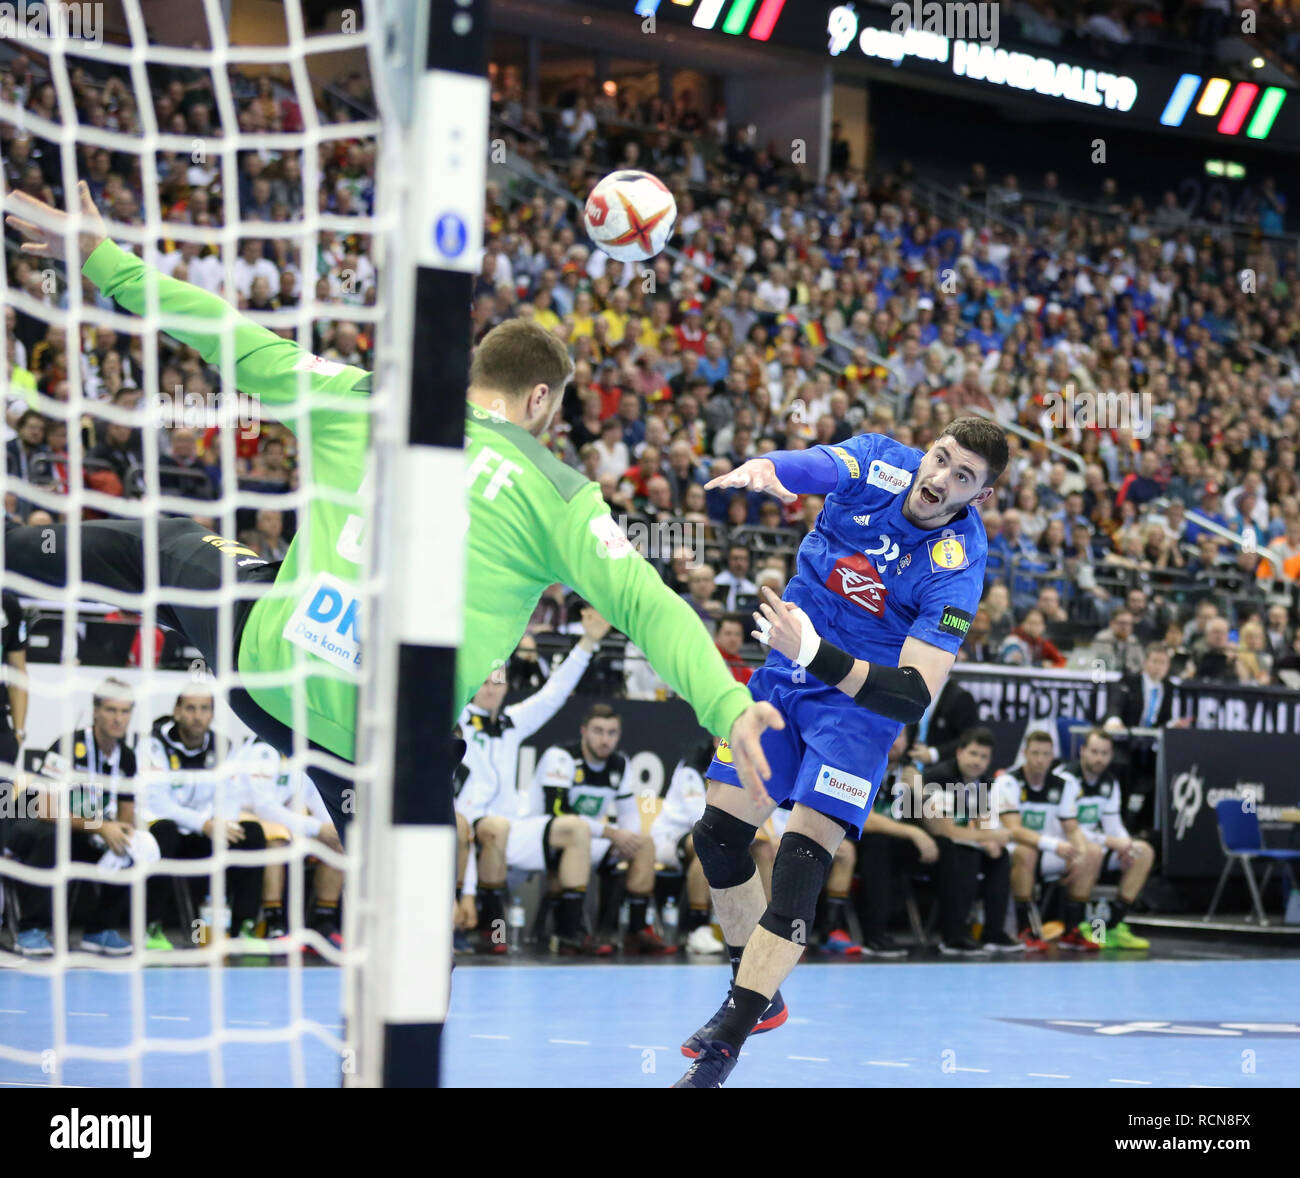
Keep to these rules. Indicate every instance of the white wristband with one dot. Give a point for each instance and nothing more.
(1047, 843)
(809, 640)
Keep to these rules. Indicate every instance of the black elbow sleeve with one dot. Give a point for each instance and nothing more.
(897, 693)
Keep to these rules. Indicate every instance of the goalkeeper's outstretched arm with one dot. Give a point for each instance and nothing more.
(267, 366)
(591, 553)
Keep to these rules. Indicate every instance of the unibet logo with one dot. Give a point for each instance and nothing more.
(954, 620)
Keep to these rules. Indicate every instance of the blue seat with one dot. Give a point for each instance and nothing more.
(1242, 842)
(1065, 739)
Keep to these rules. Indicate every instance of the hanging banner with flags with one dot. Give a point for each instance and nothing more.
(1203, 769)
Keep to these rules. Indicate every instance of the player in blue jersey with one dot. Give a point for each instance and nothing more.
(889, 579)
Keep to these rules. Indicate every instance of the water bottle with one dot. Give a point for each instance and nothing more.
(671, 919)
(623, 918)
(515, 919)
(205, 920)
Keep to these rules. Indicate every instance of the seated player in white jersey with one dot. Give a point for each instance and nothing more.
(583, 815)
(487, 803)
(1041, 843)
(890, 576)
(87, 784)
(1094, 801)
(289, 807)
(188, 810)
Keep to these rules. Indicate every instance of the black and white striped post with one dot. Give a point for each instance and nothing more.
(439, 248)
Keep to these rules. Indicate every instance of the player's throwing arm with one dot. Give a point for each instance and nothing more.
(899, 693)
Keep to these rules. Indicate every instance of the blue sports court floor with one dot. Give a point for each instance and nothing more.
(1109, 1023)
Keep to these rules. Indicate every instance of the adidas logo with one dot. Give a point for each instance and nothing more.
(864, 520)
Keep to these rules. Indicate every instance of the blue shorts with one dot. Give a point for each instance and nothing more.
(831, 754)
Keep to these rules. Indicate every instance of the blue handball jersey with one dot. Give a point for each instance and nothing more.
(869, 580)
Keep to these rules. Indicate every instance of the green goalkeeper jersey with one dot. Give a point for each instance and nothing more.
(533, 522)
(310, 616)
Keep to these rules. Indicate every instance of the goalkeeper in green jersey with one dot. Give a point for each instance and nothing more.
(533, 522)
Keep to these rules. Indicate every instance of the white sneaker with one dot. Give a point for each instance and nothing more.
(702, 940)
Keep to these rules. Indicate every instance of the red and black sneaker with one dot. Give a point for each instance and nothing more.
(583, 946)
(488, 943)
(647, 943)
(1032, 943)
(1075, 940)
(775, 1014)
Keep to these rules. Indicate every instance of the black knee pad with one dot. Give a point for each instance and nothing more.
(722, 844)
(798, 876)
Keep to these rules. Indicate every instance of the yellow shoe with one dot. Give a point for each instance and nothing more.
(1122, 937)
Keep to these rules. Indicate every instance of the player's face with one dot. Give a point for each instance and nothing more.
(600, 737)
(193, 716)
(948, 479)
(1095, 756)
(973, 760)
(112, 718)
(1038, 756)
(489, 696)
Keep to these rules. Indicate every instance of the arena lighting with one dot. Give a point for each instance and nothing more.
(1225, 168)
(1235, 102)
(737, 17)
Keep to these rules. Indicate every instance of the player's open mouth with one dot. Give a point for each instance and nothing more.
(929, 497)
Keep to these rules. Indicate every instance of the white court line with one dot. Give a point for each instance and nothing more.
(1146, 1083)
(1069, 1022)
(3, 1011)
(809, 1058)
(885, 1063)
(571, 1042)
(171, 1018)
(1048, 1075)
(982, 1071)
(35, 1084)
(647, 1047)
(87, 1014)
(247, 1022)
(489, 1036)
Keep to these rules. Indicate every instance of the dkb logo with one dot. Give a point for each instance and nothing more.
(328, 604)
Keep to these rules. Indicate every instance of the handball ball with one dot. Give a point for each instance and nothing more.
(629, 215)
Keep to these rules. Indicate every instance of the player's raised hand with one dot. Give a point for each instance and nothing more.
(745, 740)
(758, 474)
(594, 627)
(46, 228)
(784, 627)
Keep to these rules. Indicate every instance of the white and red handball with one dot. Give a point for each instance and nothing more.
(629, 215)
